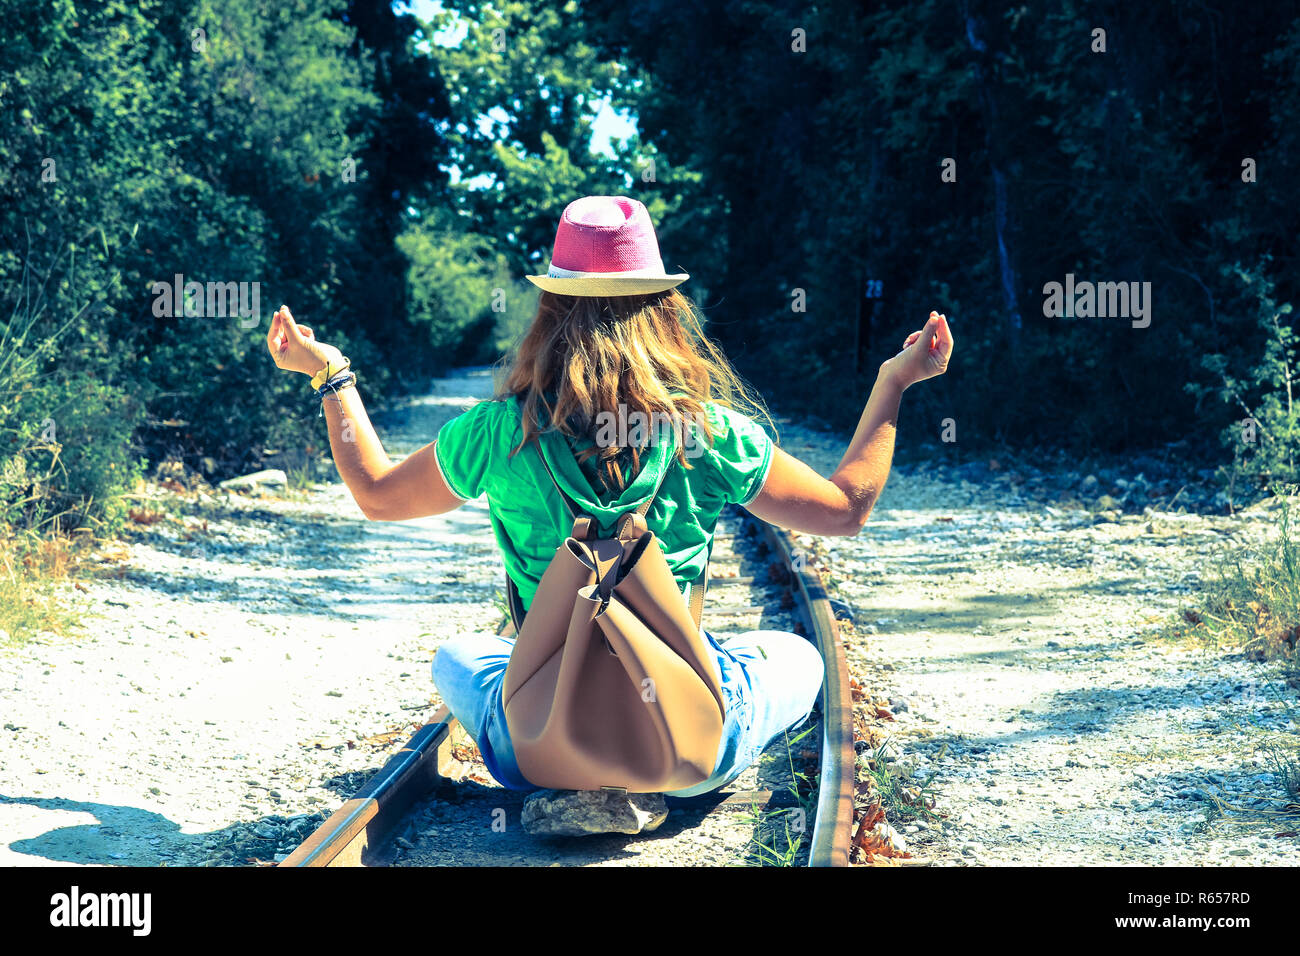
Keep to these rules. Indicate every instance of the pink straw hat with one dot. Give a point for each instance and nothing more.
(606, 245)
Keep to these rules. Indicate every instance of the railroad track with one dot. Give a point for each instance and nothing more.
(363, 831)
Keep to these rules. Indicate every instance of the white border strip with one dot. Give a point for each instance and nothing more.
(555, 272)
(442, 474)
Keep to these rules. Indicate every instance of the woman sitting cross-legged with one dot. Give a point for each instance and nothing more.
(614, 352)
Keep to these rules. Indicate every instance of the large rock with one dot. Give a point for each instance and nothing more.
(585, 812)
(257, 481)
(1274, 503)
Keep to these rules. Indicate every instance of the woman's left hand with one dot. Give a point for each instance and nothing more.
(925, 353)
(294, 347)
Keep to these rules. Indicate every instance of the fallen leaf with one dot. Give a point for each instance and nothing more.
(466, 753)
(870, 842)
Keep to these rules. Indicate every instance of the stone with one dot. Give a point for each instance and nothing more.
(586, 812)
(269, 478)
(891, 837)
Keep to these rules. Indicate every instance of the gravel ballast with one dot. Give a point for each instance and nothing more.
(248, 661)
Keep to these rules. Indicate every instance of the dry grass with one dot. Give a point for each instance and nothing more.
(1252, 601)
(31, 566)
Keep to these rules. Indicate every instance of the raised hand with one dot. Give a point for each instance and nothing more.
(294, 347)
(925, 353)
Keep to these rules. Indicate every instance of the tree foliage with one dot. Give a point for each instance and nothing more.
(828, 174)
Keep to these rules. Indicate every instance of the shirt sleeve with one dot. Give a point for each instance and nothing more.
(740, 457)
(463, 451)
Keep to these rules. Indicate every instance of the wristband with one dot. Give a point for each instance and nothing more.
(328, 372)
(340, 380)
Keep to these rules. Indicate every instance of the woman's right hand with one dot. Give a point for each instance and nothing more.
(925, 354)
(294, 347)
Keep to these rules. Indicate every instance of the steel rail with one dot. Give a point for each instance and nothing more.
(363, 826)
(833, 823)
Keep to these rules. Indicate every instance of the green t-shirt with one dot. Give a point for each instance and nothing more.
(530, 520)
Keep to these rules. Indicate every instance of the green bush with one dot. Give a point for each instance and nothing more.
(463, 295)
(1265, 439)
(66, 437)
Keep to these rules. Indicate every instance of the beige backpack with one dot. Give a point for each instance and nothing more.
(611, 683)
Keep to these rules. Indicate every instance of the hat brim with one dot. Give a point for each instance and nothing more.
(607, 285)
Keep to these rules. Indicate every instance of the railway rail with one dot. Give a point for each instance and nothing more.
(361, 832)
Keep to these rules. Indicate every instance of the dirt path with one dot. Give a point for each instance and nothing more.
(254, 659)
(246, 667)
(1016, 641)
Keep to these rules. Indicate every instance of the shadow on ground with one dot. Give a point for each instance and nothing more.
(131, 836)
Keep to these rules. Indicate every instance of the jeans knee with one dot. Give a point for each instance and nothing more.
(449, 656)
(799, 656)
(813, 665)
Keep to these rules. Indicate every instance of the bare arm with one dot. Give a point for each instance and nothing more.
(414, 488)
(794, 496)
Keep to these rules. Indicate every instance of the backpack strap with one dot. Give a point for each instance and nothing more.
(582, 525)
(574, 511)
(515, 604)
(698, 587)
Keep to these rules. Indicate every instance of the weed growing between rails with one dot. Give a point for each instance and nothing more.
(885, 797)
(780, 834)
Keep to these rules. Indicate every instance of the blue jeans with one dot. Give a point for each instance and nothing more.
(770, 681)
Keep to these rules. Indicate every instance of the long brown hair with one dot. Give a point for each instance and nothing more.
(646, 353)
